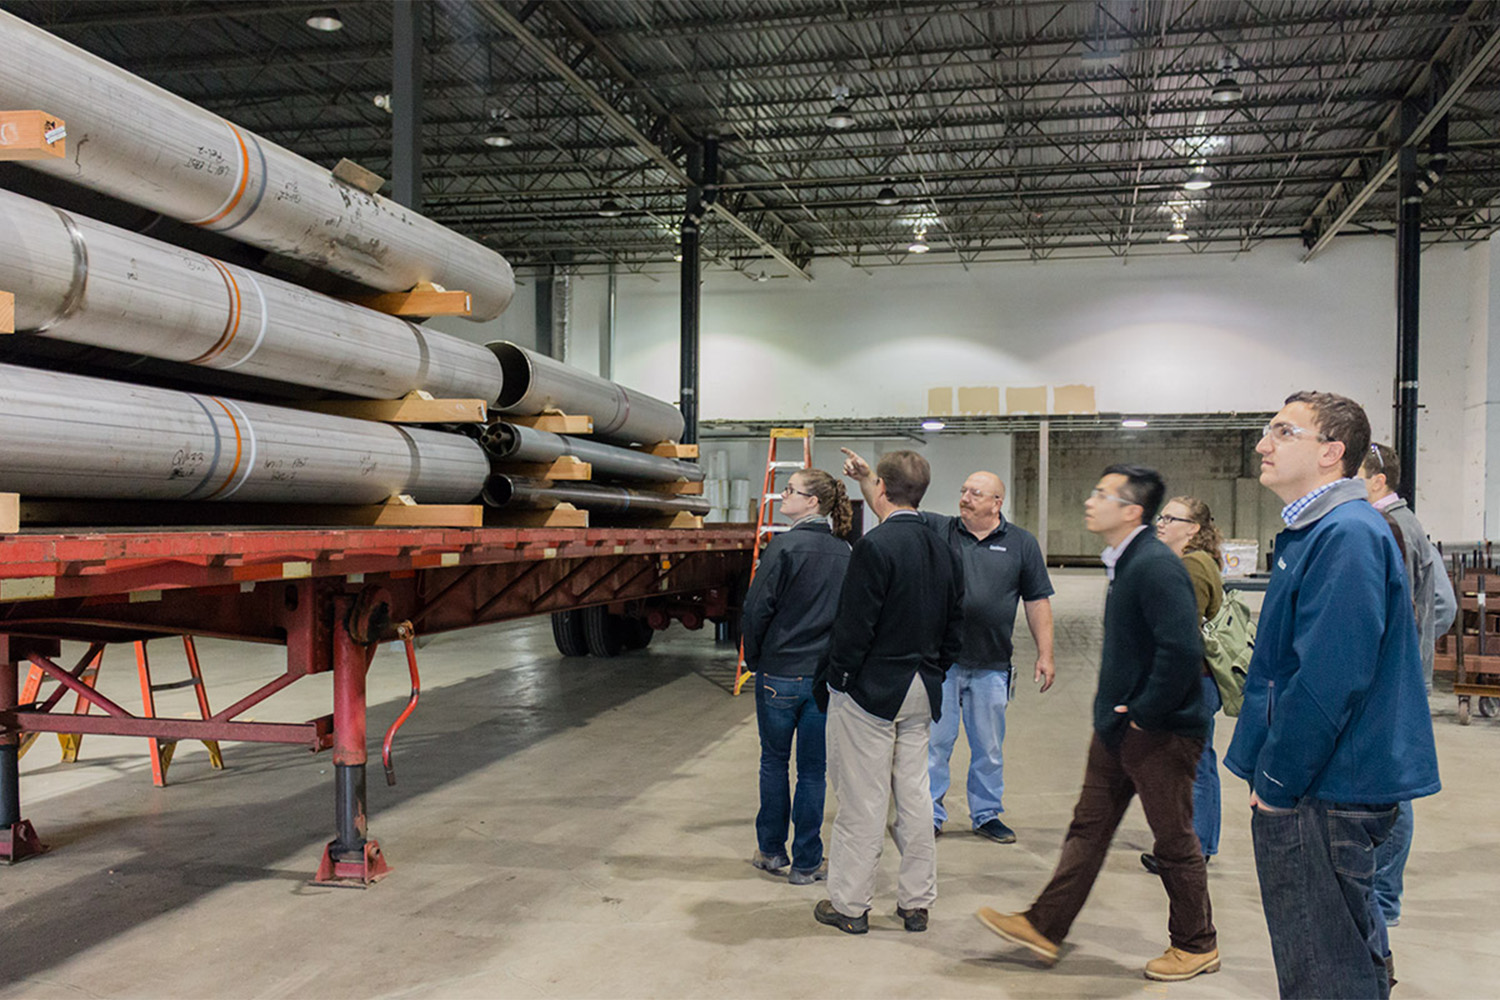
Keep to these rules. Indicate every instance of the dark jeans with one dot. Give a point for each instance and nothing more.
(1206, 808)
(784, 708)
(1159, 767)
(1316, 865)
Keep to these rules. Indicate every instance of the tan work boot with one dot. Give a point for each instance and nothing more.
(1176, 965)
(1016, 929)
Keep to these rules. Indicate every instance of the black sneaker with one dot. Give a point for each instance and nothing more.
(996, 831)
(915, 919)
(824, 913)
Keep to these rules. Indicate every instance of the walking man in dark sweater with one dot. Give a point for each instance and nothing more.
(1149, 725)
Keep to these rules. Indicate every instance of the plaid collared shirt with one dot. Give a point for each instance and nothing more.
(1293, 510)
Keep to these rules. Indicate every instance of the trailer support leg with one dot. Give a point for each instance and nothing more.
(352, 858)
(18, 840)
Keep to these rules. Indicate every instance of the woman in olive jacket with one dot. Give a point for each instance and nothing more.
(786, 623)
(1187, 527)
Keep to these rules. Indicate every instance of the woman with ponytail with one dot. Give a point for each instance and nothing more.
(787, 618)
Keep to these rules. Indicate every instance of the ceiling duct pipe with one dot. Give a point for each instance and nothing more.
(142, 144)
(514, 443)
(501, 490)
(85, 282)
(532, 383)
(77, 437)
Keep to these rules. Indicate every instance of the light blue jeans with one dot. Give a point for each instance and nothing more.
(978, 697)
(1390, 871)
(1206, 808)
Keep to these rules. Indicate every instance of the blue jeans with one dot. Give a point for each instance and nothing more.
(1206, 785)
(1316, 865)
(784, 708)
(979, 697)
(1390, 873)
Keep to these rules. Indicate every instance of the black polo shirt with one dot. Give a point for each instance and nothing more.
(1000, 569)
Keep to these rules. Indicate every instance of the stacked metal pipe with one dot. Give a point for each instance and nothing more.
(534, 383)
(141, 144)
(515, 443)
(504, 490)
(71, 436)
(83, 281)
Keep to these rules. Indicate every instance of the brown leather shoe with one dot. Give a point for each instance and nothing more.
(1176, 965)
(1016, 929)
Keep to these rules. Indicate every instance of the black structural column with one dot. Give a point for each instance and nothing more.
(703, 171)
(406, 103)
(1408, 300)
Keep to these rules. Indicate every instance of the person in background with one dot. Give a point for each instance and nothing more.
(1149, 722)
(787, 618)
(1003, 566)
(1435, 607)
(898, 627)
(1335, 730)
(1186, 526)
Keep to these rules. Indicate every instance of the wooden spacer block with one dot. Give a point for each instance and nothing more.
(685, 520)
(556, 423)
(10, 513)
(414, 408)
(420, 301)
(567, 467)
(679, 488)
(667, 449)
(354, 175)
(564, 515)
(32, 135)
(7, 312)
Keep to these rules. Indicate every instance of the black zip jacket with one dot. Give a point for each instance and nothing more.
(789, 609)
(901, 614)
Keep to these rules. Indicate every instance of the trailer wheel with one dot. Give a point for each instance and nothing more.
(567, 632)
(635, 633)
(602, 632)
(1488, 707)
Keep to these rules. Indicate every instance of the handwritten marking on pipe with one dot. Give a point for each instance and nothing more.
(239, 191)
(28, 588)
(9, 134)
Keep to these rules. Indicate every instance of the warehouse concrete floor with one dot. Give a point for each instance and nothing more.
(574, 828)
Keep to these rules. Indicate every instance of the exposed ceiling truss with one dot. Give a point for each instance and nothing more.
(1007, 131)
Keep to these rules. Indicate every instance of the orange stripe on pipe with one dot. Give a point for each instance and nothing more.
(232, 324)
(239, 192)
(239, 445)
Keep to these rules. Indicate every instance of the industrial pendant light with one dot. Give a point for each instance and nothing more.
(886, 196)
(840, 116)
(1227, 90)
(919, 245)
(1179, 233)
(1198, 179)
(610, 209)
(326, 19)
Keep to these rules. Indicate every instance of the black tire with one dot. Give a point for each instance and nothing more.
(567, 632)
(602, 632)
(1489, 707)
(636, 633)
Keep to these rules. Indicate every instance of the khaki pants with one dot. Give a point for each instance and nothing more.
(869, 760)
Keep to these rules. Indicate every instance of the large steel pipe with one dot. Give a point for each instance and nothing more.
(71, 436)
(534, 382)
(90, 283)
(142, 144)
(514, 443)
(501, 490)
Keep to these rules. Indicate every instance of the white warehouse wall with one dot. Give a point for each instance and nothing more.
(1183, 333)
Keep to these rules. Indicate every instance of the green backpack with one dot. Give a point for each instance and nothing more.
(1228, 641)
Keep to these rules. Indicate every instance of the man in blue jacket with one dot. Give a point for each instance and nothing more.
(1335, 729)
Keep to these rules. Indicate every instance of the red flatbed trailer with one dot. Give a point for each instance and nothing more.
(330, 595)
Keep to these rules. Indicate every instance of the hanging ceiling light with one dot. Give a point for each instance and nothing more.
(933, 424)
(1179, 233)
(1227, 90)
(610, 209)
(499, 134)
(887, 196)
(840, 116)
(919, 245)
(326, 19)
(1198, 179)
(1133, 423)
(382, 101)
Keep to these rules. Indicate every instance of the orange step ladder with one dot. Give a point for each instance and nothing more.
(87, 671)
(765, 518)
